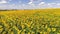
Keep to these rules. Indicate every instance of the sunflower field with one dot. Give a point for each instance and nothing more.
(30, 21)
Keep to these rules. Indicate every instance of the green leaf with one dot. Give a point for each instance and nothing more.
(14, 30)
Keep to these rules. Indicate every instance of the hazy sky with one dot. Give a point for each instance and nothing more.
(29, 4)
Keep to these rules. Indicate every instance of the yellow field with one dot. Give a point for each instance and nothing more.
(39, 21)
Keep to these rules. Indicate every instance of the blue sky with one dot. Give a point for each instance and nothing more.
(29, 4)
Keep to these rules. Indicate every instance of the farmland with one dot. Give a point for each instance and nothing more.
(39, 21)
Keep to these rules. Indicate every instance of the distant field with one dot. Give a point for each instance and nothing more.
(39, 21)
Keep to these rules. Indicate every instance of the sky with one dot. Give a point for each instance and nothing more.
(29, 4)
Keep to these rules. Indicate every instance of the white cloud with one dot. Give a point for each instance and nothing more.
(31, 3)
(42, 3)
(58, 4)
(3, 1)
(51, 3)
